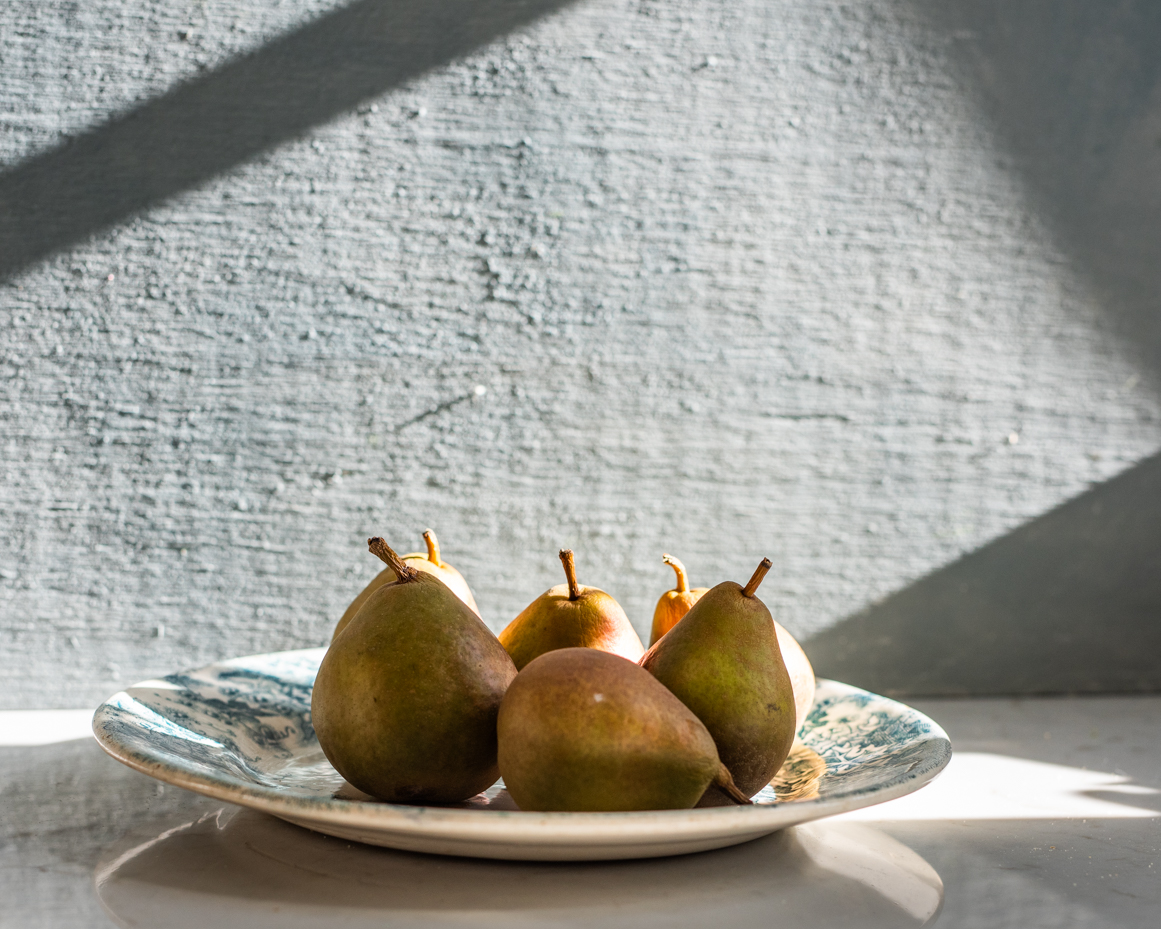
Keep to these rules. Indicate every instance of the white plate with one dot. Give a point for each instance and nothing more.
(240, 731)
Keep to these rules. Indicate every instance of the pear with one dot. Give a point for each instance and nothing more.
(801, 672)
(723, 661)
(406, 698)
(428, 561)
(584, 730)
(674, 604)
(570, 616)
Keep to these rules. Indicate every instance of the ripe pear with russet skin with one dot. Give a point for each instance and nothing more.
(674, 604)
(428, 561)
(583, 730)
(407, 695)
(570, 616)
(723, 661)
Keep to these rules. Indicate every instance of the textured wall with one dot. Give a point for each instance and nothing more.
(718, 278)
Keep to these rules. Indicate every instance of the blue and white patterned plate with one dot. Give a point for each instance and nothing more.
(240, 731)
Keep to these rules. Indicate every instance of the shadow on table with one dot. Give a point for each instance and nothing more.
(1110, 738)
(61, 806)
(1047, 814)
(1013, 874)
(241, 868)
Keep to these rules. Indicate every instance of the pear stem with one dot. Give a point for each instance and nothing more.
(682, 578)
(403, 571)
(752, 584)
(725, 783)
(566, 559)
(432, 547)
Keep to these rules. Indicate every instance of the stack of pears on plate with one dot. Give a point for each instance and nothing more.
(417, 701)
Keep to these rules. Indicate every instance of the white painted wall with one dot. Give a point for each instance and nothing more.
(724, 279)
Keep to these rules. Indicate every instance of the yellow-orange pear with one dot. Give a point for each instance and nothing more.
(570, 616)
(674, 604)
(428, 562)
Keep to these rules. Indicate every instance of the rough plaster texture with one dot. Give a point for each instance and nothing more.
(725, 279)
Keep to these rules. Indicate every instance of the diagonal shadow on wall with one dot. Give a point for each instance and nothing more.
(1073, 90)
(1067, 603)
(1070, 602)
(212, 123)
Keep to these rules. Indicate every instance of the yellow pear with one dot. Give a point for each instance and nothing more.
(428, 562)
(570, 616)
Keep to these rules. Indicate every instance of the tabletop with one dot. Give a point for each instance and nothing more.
(1049, 814)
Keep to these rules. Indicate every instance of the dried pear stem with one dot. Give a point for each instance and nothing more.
(432, 547)
(725, 783)
(682, 578)
(566, 559)
(753, 582)
(403, 571)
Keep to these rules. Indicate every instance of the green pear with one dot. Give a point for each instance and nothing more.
(723, 661)
(674, 604)
(585, 730)
(570, 616)
(407, 695)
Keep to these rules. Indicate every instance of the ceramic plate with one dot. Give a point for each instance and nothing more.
(240, 731)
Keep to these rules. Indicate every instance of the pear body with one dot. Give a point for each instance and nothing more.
(585, 730)
(552, 621)
(723, 661)
(444, 571)
(406, 698)
(801, 672)
(674, 604)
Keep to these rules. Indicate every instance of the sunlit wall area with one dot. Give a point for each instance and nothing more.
(722, 279)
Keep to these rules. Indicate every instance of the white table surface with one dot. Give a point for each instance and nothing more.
(1049, 815)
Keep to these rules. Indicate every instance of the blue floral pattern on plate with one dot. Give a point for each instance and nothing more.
(240, 730)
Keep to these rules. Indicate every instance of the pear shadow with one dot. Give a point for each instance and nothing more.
(67, 801)
(1073, 89)
(1067, 603)
(243, 868)
(214, 122)
(1011, 872)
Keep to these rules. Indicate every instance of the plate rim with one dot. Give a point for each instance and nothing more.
(483, 825)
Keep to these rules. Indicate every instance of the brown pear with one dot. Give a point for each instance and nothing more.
(674, 604)
(428, 561)
(723, 661)
(570, 616)
(406, 698)
(583, 730)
